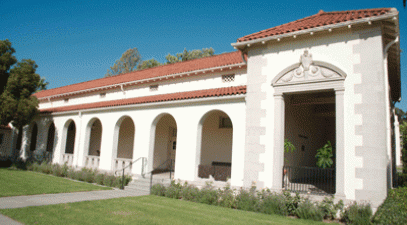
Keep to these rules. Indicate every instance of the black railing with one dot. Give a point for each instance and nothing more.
(310, 180)
(167, 166)
(143, 163)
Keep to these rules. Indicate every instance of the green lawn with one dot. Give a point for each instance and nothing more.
(18, 182)
(142, 210)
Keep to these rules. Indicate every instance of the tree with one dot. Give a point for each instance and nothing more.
(402, 116)
(188, 55)
(148, 64)
(17, 103)
(6, 61)
(127, 63)
(403, 132)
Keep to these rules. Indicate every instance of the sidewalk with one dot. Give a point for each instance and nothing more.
(52, 199)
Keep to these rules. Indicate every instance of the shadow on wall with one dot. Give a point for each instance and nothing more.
(42, 150)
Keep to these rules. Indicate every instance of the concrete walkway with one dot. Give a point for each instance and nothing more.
(51, 199)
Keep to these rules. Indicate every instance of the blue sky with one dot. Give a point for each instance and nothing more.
(76, 41)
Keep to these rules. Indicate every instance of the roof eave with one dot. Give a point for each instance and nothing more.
(391, 14)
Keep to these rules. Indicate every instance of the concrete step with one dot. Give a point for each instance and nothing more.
(143, 184)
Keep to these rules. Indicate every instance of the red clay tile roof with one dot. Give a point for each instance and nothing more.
(224, 59)
(155, 98)
(317, 20)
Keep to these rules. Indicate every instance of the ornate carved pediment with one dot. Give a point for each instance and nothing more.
(308, 71)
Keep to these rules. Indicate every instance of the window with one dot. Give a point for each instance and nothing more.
(154, 87)
(225, 122)
(228, 78)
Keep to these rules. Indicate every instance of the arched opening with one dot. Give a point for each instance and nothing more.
(50, 141)
(126, 139)
(216, 146)
(94, 142)
(124, 143)
(51, 138)
(70, 138)
(95, 139)
(34, 134)
(165, 144)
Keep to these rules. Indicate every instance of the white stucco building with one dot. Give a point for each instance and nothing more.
(333, 76)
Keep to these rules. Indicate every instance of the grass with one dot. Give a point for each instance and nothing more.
(18, 182)
(142, 210)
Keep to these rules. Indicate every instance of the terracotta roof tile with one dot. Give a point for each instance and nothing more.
(155, 98)
(181, 67)
(317, 20)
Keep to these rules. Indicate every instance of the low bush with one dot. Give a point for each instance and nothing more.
(329, 208)
(247, 200)
(394, 208)
(309, 211)
(158, 189)
(99, 178)
(109, 180)
(208, 195)
(358, 214)
(292, 202)
(174, 190)
(272, 203)
(226, 197)
(189, 192)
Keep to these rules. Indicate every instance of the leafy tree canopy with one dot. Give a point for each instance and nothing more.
(401, 115)
(148, 64)
(127, 63)
(17, 103)
(6, 61)
(131, 60)
(188, 55)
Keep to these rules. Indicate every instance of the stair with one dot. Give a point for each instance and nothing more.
(140, 184)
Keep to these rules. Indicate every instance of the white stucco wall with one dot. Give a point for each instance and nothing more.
(187, 115)
(339, 48)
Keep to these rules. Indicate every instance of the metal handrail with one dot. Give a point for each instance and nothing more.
(131, 163)
(152, 171)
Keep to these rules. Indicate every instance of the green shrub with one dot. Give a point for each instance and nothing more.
(45, 167)
(394, 208)
(292, 202)
(309, 211)
(174, 190)
(272, 203)
(72, 173)
(109, 180)
(99, 178)
(19, 164)
(158, 189)
(87, 175)
(329, 208)
(247, 200)
(208, 195)
(189, 192)
(57, 170)
(357, 214)
(226, 197)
